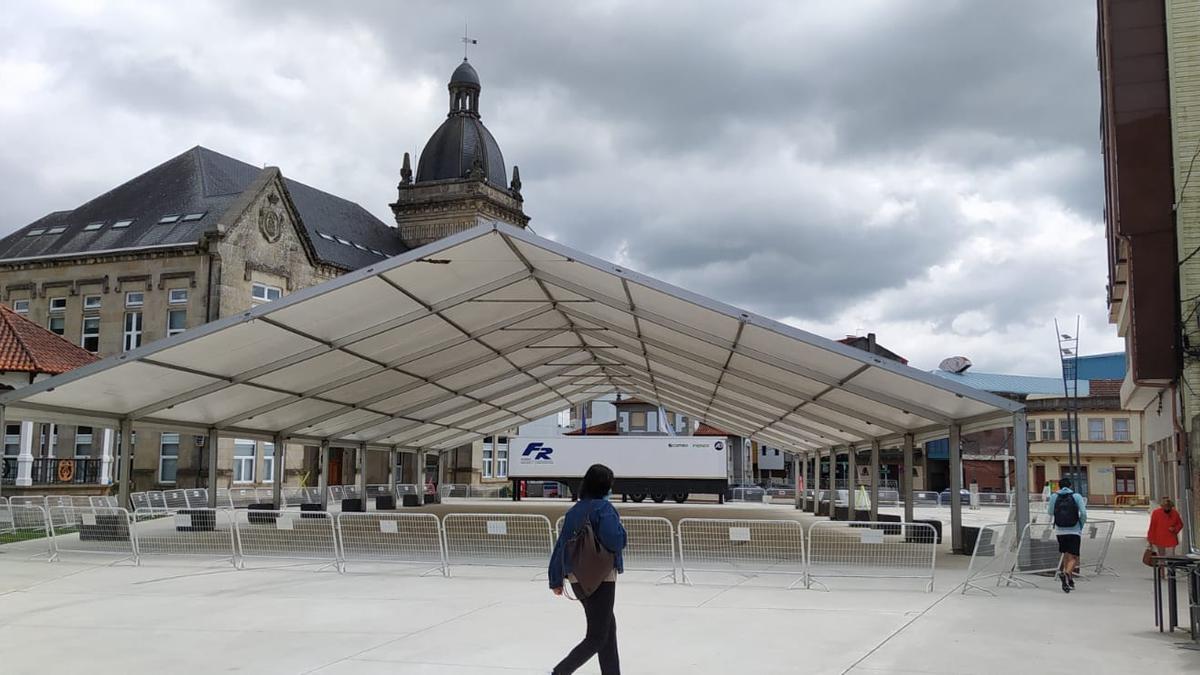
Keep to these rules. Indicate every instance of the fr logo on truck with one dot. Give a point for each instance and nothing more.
(540, 452)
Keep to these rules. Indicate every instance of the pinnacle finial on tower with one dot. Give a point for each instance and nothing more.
(515, 186)
(406, 174)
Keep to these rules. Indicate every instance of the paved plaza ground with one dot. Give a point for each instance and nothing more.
(84, 616)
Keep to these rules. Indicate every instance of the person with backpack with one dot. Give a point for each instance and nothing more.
(588, 554)
(1069, 510)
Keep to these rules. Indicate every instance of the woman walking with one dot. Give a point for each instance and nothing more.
(1165, 525)
(588, 554)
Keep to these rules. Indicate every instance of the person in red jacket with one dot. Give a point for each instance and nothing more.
(1165, 526)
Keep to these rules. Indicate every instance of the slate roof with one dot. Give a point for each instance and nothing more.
(26, 347)
(202, 184)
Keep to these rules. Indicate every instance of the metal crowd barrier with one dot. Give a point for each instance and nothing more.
(288, 535)
(501, 540)
(104, 531)
(871, 550)
(389, 537)
(742, 546)
(193, 533)
(649, 545)
(1093, 546)
(454, 490)
(992, 555)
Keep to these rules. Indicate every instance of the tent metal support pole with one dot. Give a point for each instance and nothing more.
(214, 444)
(361, 475)
(874, 483)
(956, 488)
(280, 452)
(323, 475)
(393, 455)
(1021, 470)
(126, 462)
(851, 482)
(906, 478)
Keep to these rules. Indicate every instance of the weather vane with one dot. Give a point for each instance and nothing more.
(467, 41)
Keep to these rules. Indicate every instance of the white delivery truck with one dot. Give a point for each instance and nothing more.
(658, 467)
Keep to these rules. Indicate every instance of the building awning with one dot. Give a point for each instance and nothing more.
(493, 328)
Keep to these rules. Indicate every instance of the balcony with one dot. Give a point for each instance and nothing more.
(54, 471)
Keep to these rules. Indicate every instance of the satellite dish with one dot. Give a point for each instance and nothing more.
(955, 364)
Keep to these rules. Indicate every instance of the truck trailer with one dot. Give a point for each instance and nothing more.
(658, 467)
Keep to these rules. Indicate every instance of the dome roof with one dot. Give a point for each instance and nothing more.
(465, 74)
(452, 151)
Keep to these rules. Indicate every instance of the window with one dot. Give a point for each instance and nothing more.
(243, 461)
(91, 302)
(502, 457)
(58, 304)
(268, 462)
(56, 230)
(90, 340)
(623, 421)
(1096, 429)
(176, 321)
(1066, 431)
(34, 233)
(265, 293)
(177, 296)
(652, 420)
(92, 227)
(21, 306)
(193, 216)
(1030, 431)
(135, 299)
(57, 325)
(487, 456)
(1048, 430)
(1121, 429)
(12, 440)
(121, 224)
(166, 220)
(564, 418)
(168, 457)
(83, 442)
(133, 331)
(637, 421)
(681, 424)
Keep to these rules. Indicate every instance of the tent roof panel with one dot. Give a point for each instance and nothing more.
(333, 345)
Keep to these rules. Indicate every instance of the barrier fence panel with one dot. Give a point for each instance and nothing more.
(649, 546)
(925, 498)
(992, 555)
(26, 500)
(500, 539)
(1093, 546)
(61, 509)
(388, 537)
(27, 521)
(6, 519)
(1037, 553)
(294, 496)
(995, 499)
(241, 498)
(175, 499)
(405, 489)
(157, 500)
(336, 494)
(872, 550)
(109, 501)
(1131, 503)
(95, 531)
(888, 497)
(378, 490)
(196, 533)
(286, 535)
(741, 546)
(746, 494)
(489, 491)
(224, 499)
(350, 492)
(455, 490)
(197, 498)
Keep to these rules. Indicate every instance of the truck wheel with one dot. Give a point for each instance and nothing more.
(680, 498)
(658, 499)
(638, 498)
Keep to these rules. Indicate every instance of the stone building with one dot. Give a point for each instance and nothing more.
(204, 236)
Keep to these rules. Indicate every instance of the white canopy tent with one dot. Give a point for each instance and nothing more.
(492, 328)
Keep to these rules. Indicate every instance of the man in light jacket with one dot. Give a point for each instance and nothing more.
(1069, 510)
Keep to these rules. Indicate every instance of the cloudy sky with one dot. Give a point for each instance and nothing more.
(928, 170)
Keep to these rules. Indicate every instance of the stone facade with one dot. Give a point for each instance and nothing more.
(426, 212)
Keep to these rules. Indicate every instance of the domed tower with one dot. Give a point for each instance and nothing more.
(461, 178)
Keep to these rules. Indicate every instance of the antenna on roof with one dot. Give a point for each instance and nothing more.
(467, 40)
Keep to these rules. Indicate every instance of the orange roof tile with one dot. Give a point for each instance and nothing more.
(26, 347)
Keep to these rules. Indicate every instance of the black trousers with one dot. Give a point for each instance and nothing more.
(601, 637)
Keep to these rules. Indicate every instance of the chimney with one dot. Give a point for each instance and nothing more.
(871, 342)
